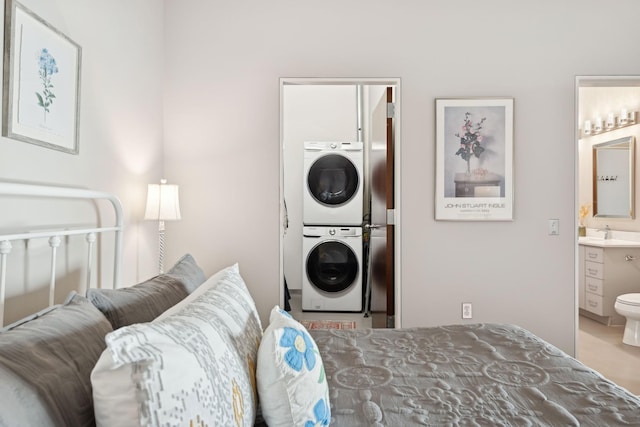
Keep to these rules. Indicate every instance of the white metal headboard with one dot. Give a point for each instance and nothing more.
(31, 190)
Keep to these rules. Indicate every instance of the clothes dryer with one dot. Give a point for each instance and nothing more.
(333, 183)
(332, 269)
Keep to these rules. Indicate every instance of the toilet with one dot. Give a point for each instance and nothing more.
(628, 305)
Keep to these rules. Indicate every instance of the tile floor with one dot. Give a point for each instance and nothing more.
(599, 346)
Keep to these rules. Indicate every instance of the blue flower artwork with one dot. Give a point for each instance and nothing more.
(47, 67)
(300, 351)
(322, 413)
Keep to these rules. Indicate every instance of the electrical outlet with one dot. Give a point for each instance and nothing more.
(467, 310)
(554, 227)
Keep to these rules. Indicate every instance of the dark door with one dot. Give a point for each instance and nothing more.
(390, 270)
(381, 289)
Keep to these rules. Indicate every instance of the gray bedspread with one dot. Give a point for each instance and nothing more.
(464, 375)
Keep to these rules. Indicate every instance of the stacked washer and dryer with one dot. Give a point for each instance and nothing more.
(332, 226)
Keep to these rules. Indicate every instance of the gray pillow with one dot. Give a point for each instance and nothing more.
(188, 272)
(139, 303)
(46, 363)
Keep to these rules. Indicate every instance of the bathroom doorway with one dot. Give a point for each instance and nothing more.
(606, 110)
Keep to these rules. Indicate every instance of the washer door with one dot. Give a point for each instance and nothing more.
(332, 266)
(333, 180)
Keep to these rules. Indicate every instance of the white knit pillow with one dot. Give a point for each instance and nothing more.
(196, 364)
(292, 384)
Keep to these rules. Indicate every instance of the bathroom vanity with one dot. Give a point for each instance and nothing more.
(607, 268)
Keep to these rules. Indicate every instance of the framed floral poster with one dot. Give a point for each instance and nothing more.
(41, 82)
(474, 159)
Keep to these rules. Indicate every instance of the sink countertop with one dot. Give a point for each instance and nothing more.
(607, 243)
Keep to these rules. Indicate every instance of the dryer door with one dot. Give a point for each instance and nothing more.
(333, 180)
(332, 266)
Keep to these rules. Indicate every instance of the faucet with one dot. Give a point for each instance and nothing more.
(607, 232)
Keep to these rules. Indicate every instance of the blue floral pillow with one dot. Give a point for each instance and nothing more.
(292, 385)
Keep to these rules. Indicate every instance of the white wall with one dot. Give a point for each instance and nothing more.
(222, 67)
(120, 119)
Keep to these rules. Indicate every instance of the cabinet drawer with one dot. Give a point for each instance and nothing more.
(594, 304)
(594, 254)
(593, 285)
(593, 269)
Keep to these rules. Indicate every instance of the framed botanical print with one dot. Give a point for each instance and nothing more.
(41, 82)
(474, 159)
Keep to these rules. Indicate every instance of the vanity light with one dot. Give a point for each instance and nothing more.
(598, 126)
(626, 118)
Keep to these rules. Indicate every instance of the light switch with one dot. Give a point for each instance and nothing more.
(554, 227)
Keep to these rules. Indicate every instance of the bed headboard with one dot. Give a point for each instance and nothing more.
(54, 235)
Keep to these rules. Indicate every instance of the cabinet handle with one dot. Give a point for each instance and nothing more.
(592, 304)
(592, 255)
(593, 288)
(592, 271)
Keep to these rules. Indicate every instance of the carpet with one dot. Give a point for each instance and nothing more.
(329, 324)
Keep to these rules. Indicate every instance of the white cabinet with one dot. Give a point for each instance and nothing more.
(605, 273)
(581, 278)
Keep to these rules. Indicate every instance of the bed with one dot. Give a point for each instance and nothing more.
(465, 375)
(188, 349)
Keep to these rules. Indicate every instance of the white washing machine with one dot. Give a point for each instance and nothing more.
(332, 268)
(333, 183)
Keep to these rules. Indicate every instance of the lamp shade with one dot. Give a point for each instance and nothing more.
(163, 203)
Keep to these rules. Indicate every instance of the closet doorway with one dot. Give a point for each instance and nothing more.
(364, 110)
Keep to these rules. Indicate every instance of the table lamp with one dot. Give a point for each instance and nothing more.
(163, 205)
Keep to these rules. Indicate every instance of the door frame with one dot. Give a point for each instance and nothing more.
(588, 81)
(396, 84)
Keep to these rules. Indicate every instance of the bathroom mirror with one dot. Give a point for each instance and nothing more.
(613, 178)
